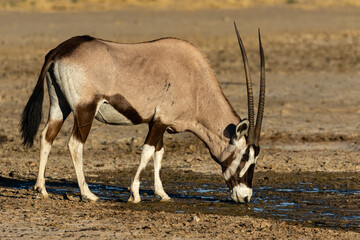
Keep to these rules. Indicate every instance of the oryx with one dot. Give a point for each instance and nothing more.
(166, 83)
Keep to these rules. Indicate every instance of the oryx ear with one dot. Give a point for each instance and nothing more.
(241, 129)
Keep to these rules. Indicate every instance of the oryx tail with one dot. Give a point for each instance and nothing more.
(32, 114)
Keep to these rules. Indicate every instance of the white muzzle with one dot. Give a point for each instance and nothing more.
(241, 193)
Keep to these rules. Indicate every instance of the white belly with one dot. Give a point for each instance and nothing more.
(109, 115)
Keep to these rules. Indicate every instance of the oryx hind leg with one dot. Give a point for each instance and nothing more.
(83, 119)
(58, 112)
(156, 132)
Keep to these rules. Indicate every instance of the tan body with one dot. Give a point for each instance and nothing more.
(167, 80)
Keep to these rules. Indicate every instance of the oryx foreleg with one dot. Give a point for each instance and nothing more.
(158, 156)
(146, 154)
(156, 131)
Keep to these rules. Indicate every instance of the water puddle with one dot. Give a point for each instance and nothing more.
(312, 202)
(302, 203)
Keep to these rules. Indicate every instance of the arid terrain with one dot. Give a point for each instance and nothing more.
(306, 184)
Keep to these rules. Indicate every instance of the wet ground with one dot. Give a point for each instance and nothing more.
(306, 183)
(330, 200)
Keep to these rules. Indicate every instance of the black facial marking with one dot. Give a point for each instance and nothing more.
(247, 178)
(245, 157)
(257, 150)
(227, 162)
(249, 175)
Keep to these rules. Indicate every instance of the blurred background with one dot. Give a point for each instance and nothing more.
(106, 5)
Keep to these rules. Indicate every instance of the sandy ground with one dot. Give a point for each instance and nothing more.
(311, 117)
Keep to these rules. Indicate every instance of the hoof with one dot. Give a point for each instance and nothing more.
(41, 192)
(166, 199)
(134, 200)
(42, 196)
(163, 196)
(89, 198)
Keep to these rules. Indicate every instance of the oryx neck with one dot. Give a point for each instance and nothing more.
(216, 133)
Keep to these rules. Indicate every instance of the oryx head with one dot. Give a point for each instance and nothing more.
(239, 158)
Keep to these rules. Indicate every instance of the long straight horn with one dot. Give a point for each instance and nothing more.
(260, 112)
(249, 90)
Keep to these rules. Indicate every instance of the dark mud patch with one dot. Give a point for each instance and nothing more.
(330, 200)
(3, 139)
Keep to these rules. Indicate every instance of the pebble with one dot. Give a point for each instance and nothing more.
(196, 219)
(31, 164)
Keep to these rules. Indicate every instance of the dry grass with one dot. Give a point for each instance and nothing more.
(105, 5)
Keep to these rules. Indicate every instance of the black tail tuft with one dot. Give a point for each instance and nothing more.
(32, 115)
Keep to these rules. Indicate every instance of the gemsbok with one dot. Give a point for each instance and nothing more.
(166, 83)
